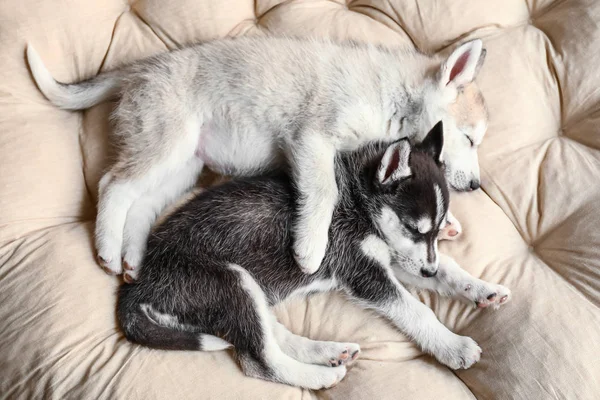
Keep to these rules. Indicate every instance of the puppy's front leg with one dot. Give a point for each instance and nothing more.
(452, 280)
(312, 159)
(381, 292)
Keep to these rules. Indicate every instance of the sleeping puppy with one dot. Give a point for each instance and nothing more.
(216, 264)
(242, 106)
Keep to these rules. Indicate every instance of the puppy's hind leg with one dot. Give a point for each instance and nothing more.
(314, 351)
(144, 211)
(258, 352)
(150, 155)
(115, 197)
(118, 193)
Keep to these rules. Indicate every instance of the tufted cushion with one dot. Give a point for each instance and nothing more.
(534, 227)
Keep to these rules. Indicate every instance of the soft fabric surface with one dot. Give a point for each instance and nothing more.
(534, 227)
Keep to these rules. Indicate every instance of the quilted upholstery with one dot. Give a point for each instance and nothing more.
(534, 227)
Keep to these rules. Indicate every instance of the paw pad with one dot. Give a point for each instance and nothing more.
(492, 300)
(335, 363)
(107, 270)
(127, 278)
(345, 357)
(103, 262)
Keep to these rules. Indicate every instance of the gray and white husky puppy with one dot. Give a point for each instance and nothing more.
(216, 264)
(241, 106)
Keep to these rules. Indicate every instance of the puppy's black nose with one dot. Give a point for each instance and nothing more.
(475, 185)
(427, 273)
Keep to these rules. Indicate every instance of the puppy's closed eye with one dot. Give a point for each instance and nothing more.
(413, 230)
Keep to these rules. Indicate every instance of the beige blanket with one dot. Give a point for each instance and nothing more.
(535, 226)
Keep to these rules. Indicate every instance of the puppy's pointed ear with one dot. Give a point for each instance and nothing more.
(463, 64)
(480, 61)
(394, 163)
(433, 144)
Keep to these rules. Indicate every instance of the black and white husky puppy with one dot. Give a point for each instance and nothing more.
(217, 264)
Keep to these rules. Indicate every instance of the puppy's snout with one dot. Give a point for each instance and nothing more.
(426, 273)
(474, 185)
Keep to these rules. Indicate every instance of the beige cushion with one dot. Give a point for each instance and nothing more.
(534, 227)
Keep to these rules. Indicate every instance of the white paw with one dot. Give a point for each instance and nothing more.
(452, 230)
(332, 378)
(109, 258)
(132, 258)
(484, 294)
(461, 353)
(309, 252)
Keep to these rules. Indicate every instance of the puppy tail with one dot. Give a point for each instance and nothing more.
(143, 325)
(75, 96)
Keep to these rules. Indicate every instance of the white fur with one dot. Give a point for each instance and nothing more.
(479, 132)
(286, 369)
(67, 97)
(467, 154)
(115, 201)
(465, 161)
(439, 206)
(424, 225)
(376, 249)
(213, 343)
